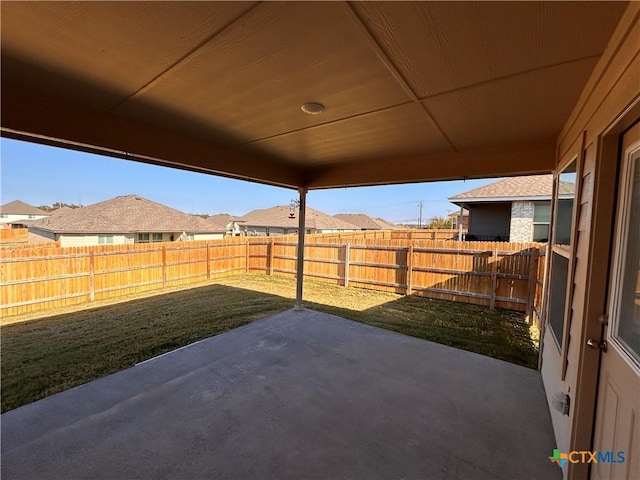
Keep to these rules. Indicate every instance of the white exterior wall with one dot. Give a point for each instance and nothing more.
(275, 231)
(207, 236)
(521, 221)
(553, 385)
(235, 229)
(342, 230)
(13, 217)
(79, 240)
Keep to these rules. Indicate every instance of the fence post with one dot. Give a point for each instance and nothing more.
(494, 278)
(533, 283)
(409, 269)
(246, 256)
(347, 253)
(271, 244)
(164, 266)
(92, 277)
(208, 262)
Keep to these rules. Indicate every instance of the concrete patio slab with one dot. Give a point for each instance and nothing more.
(300, 395)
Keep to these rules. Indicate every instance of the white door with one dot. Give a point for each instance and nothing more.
(618, 408)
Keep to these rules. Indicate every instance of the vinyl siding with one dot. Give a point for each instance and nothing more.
(609, 92)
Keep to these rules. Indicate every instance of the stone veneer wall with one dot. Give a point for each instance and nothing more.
(521, 222)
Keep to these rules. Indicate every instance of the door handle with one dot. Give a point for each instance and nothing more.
(596, 345)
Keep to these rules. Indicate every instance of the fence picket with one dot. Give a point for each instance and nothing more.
(495, 274)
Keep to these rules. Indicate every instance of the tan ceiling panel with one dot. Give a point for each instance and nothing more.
(441, 46)
(402, 130)
(251, 81)
(98, 53)
(524, 108)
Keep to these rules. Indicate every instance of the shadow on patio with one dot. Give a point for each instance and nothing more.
(295, 395)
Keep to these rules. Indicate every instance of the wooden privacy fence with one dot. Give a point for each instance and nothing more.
(409, 234)
(494, 274)
(502, 275)
(13, 235)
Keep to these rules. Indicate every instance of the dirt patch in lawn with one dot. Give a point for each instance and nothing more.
(43, 356)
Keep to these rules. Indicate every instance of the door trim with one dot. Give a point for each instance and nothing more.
(626, 171)
(596, 284)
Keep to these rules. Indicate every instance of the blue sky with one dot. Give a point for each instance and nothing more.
(41, 175)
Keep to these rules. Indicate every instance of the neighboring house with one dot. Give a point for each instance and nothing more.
(35, 238)
(278, 221)
(122, 220)
(231, 223)
(455, 219)
(386, 224)
(365, 222)
(516, 209)
(13, 212)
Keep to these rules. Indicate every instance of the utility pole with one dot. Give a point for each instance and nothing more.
(421, 207)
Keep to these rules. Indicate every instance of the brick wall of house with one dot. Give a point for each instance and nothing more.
(521, 222)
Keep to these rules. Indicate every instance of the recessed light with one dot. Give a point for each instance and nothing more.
(313, 108)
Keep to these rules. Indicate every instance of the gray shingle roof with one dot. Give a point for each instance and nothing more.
(279, 217)
(18, 207)
(456, 213)
(529, 187)
(222, 219)
(364, 221)
(126, 214)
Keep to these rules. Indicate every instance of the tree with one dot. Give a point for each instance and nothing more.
(439, 222)
(57, 205)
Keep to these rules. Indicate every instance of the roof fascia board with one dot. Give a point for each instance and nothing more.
(531, 198)
(49, 122)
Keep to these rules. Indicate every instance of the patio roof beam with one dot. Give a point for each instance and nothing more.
(502, 161)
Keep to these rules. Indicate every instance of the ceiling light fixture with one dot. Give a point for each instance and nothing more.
(313, 108)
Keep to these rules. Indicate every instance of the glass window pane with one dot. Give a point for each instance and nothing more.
(157, 237)
(566, 193)
(628, 317)
(542, 212)
(541, 232)
(105, 239)
(558, 294)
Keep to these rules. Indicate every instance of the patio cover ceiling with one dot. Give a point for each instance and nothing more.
(414, 91)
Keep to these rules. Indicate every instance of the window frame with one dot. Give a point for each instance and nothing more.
(566, 251)
(154, 237)
(105, 239)
(547, 223)
(139, 238)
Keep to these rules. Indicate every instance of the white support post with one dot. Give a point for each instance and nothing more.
(298, 306)
(460, 218)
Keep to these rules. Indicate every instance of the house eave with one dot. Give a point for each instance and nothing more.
(528, 198)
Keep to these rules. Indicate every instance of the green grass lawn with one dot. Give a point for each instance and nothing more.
(43, 356)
